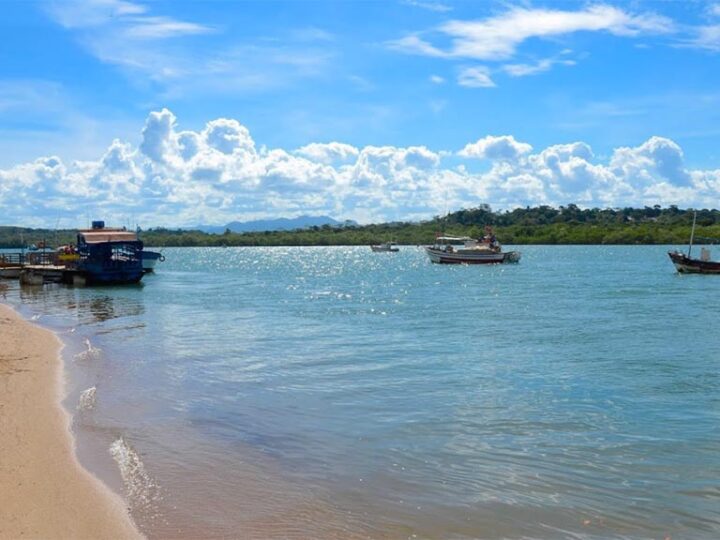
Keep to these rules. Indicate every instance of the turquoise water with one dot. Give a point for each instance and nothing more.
(335, 392)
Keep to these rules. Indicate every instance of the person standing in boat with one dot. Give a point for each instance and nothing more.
(489, 239)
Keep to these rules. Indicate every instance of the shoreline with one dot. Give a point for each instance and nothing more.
(44, 490)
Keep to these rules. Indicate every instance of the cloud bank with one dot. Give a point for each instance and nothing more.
(180, 177)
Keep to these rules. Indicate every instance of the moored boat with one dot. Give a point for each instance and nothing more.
(688, 265)
(150, 259)
(109, 256)
(66, 255)
(467, 250)
(685, 264)
(387, 247)
(40, 246)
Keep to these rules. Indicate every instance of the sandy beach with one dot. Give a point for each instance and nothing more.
(44, 492)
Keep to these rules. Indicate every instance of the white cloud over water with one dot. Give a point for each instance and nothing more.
(217, 174)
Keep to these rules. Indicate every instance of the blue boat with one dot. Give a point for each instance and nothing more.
(109, 256)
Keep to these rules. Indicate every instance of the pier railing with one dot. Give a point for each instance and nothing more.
(43, 258)
(12, 259)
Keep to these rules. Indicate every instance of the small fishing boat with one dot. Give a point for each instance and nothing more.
(467, 250)
(40, 246)
(685, 264)
(66, 255)
(387, 247)
(150, 259)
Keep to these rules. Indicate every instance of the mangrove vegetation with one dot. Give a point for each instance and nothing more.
(537, 225)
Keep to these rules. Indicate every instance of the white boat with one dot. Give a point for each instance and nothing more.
(466, 250)
(387, 247)
(150, 259)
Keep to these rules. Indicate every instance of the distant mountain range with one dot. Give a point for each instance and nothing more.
(279, 224)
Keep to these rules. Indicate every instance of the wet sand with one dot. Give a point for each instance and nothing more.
(44, 492)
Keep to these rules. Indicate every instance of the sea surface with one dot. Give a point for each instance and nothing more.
(332, 392)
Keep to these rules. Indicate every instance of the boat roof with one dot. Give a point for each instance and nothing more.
(455, 238)
(99, 236)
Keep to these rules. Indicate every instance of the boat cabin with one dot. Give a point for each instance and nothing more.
(461, 243)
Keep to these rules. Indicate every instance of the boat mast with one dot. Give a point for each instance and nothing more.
(692, 233)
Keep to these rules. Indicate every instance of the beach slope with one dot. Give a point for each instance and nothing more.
(44, 492)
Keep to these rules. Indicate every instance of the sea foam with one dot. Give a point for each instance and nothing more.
(90, 352)
(141, 489)
(87, 399)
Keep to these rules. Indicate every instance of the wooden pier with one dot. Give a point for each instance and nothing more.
(33, 274)
(36, 268)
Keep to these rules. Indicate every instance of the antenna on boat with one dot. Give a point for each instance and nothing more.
(692, 233)
(447, 211)
(57, 225)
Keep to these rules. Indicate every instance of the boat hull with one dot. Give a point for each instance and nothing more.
(686, 265)
(381, 249)
(113, 277)
(150, 259)
(440, 256)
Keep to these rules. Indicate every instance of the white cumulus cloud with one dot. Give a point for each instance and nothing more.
(217, 174)
(504, 147)
(333, 152)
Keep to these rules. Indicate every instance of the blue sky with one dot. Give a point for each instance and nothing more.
(362, 110)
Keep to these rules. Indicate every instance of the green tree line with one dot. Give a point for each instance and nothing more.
(532, 225)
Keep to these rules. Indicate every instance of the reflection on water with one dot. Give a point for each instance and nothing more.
(85, 305)
(329, 392)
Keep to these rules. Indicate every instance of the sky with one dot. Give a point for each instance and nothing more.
(178, 113)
